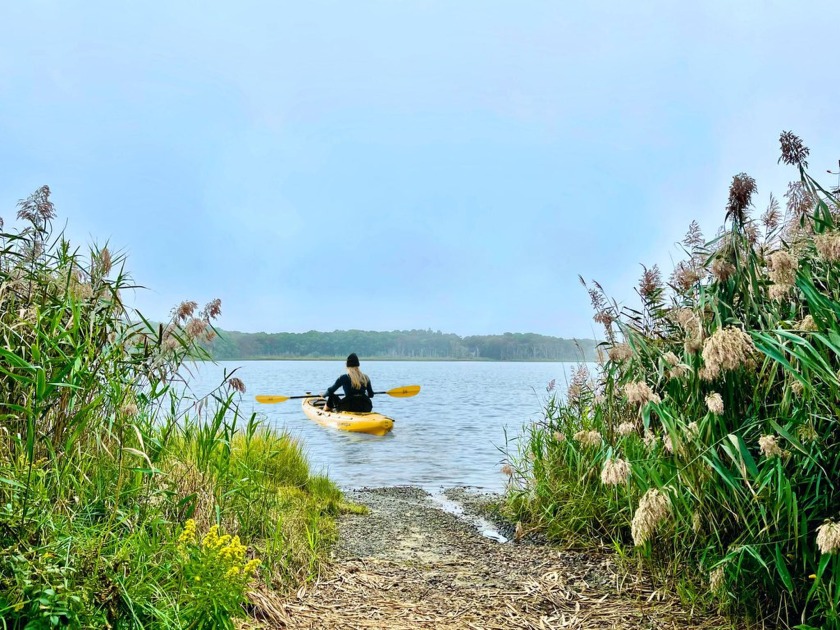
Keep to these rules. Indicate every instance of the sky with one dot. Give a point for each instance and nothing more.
(405, 164)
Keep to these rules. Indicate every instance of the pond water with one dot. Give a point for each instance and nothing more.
(455, 432)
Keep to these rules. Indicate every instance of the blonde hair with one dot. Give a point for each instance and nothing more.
(358, 379)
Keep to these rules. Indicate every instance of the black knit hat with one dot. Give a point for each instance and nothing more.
(353, 360)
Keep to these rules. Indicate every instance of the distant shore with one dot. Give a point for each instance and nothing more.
(406, 359)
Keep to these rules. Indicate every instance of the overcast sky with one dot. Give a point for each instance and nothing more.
(389, 165)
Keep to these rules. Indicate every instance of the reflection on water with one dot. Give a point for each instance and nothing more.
(451, 434)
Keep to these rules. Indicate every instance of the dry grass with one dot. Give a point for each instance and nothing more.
(461, 580)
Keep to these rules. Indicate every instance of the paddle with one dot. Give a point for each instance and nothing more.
(405, 391)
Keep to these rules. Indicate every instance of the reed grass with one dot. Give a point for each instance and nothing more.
(126, 499)
(707, 445)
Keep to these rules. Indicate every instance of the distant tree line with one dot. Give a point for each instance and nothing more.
(399, 344)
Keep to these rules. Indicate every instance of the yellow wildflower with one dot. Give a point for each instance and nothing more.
(211, 537)
(188, 535)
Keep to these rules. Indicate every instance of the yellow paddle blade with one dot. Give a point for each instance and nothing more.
(272, 399)
(404, 392)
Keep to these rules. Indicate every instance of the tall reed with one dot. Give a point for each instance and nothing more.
(122, 492)
(709, 440)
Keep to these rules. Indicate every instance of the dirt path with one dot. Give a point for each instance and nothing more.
(412, 563)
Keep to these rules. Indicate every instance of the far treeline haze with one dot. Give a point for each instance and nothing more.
(402, 344)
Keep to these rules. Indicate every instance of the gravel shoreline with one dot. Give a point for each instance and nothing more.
(421, 560)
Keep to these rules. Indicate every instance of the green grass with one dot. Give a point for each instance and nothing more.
(106, 455)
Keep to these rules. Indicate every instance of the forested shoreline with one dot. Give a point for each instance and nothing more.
(399, 345)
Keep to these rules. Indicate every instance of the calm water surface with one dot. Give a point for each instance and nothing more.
(452, 433)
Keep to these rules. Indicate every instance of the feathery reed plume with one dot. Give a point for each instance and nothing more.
(828, 537)
(694, 237)
(828, 246)
(650, 284)
(626, 428)
(620, 352)
(588, 438)
(507, 469)
(692, 429)
(716, 580)
(129, 410)
(714, 402)
(184, 310)
(796, 387)
(37, 207)
(195, 327)
(236, 384)
(751, 232)
(212, 310)
(615, 472)
(558, 436)
(807, 433)
(640, 392)
(650, 439)
(654, 507)
(677, 369)
(604, 313)
(579, 381)
(779, 292)
(722, 269)
(769, 447)
(727, 349)
(684, 277)
(782, 267)
(799, 200)
(105, 262)
(772, 216)
(794, 150)
(807, 324)
(690, 323)
(740, 198)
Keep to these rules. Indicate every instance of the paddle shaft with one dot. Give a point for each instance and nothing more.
(397, 392)
(318, 396)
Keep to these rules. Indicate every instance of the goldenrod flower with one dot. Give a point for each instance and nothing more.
(211, 537)
(188, 535)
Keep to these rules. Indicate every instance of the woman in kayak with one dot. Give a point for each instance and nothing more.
(357, 389)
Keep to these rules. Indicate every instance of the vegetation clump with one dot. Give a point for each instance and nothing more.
(708, 442)
(126, 499)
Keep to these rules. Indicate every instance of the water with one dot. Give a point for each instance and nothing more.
(453, 433)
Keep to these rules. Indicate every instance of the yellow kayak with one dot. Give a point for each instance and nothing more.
(359, 422)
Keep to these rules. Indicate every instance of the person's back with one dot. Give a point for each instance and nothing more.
(357, 387)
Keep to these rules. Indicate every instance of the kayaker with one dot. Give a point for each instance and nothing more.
(357, 389)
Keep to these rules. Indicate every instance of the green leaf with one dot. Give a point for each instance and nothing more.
(782, 570)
